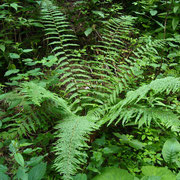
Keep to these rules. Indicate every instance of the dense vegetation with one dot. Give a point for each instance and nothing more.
(89, 89)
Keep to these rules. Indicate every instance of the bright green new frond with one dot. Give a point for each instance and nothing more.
(72, 133)
(25, 108)
(145, 116)
(130, 108)
(167, 85)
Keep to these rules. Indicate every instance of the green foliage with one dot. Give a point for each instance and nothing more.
(149, 172)
(142, 113)
(112, 173)
(16, 45)
(157, 173)
(64, 90)
(24, 170)
(72, 135)
(171, 150)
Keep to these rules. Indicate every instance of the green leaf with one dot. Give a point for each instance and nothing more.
(80, 177)
(37, 24)
(151, 178)
(100, 13)
(14, 56)
(12, 71)
(14, 5)
(2, 47)
(163, 172)
(101, 141)
(153, 12)
(37, 172)
(25, 144)
(35, 160)
(88, 31)
(175, 9)
(170, 150)
(21, 174)
(27, 50)
(113, 173)
(133, 142)
(3, 176)
(111, 149)
(30, 150)
(19, 159)
(95, 1)
(3, 168)
(175, 22)
(1, 144)
(178, 176)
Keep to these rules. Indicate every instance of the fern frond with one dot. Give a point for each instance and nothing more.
(167, 85)
(72, 136)
(148, 52)
(64, 42)
(144, 115)
(129, 110)
(24, 107)
(37, 94)
(112, 51)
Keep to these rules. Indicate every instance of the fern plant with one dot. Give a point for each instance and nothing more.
(104, 78)
(89, 92)
(131, 108)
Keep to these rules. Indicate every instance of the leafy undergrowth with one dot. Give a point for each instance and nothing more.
(89, 90)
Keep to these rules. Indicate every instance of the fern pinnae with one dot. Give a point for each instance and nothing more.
(73, 132)
(127, 109)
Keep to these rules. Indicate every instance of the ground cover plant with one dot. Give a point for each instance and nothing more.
(89, 90)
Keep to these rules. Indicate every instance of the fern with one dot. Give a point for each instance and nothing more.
(105, 76)
(167, 85)
(63, 41)
(72, 134)
(112, 52)
(128, 109)
(23, 108)
(91, 89)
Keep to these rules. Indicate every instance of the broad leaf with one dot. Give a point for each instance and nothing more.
(133, 142)
(88, 31)
(14, 5)
(113, 173)
(151, 178)
(153, 12)
(175, 9)
(178, 176)
(153, 172)
(170, 150)
(37, 172)
(19, 159)
(21, 174)
(27, 50)
(14, 56)
(35, 160)
(80, 177)
(3, 168)
(3, 176)
(12, 71)
(2, 47)
(100, 13)
(175, 22)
